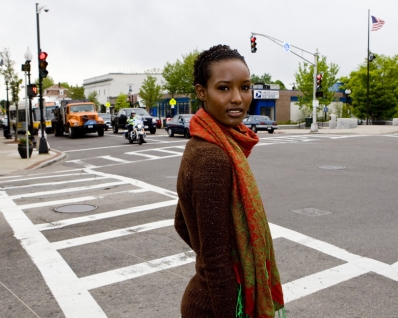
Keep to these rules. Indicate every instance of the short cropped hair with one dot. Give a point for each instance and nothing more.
(204, 60)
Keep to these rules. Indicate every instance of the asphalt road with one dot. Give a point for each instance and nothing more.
(330, 201)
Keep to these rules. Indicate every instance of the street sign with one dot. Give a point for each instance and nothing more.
(172, 102)
(286, 47)
(107, 104)
(325, 109)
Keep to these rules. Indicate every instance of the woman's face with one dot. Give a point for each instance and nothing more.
(228, 95)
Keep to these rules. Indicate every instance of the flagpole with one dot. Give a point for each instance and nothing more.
(367, 81)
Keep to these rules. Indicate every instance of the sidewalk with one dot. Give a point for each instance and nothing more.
(10, 160)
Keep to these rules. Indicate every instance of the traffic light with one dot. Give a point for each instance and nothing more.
(253, 42)
(43, 65)
(319, 92)
(32, 90)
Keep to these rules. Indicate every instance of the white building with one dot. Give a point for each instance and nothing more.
(109, 86)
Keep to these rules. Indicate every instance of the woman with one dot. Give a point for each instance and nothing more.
(220, 213)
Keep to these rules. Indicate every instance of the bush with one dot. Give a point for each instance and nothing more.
(289, 122)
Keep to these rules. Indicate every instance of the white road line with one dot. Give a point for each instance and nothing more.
(142, 155)
(56, 183)
(111, 234)
(89, 149)
(105, 215)
(56, 202)
(75, 200)
(47, 176)
(313, 283)
(169, 151)
(138, 270)
(82, 163)
(313, 243)
(113, 159)
(62, 191)
(69, 292)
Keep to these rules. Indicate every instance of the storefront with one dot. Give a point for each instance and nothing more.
(264, 100)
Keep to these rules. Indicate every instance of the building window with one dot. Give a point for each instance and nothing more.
(294, 98)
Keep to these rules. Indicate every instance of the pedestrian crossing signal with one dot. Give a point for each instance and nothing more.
(253, 42)
(32, 90)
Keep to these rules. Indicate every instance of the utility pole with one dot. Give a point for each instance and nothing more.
(286, 47)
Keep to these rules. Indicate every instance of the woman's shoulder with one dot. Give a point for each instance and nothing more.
(201, 147)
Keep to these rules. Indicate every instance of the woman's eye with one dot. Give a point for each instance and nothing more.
(223, 88)
(245, 88)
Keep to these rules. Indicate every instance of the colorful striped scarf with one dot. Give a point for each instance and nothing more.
(254, 261)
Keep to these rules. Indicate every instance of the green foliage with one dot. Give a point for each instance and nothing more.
(22, 141)
(121, 102)
(47, 82)
(76, 92)
(383, 88)
(265, 78)
(150, 92)
(179, 76)
(305, 82)
(92, 97)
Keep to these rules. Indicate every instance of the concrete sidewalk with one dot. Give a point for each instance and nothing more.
(11, 161)
(359, 130)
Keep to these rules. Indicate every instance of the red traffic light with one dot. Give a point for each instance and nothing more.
(253, 39)
(43, 56)
(32, 90)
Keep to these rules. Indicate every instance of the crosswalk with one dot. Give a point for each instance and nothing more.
(177, 150)
(72, 290)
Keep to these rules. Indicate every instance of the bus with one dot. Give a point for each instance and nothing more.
(48, 114)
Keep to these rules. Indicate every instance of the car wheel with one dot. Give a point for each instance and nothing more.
(100, 132)
(170, 133)
(153, 131)
(271, 131)
(72, 133)
(187, 134)
(115, 130)
(254, 128)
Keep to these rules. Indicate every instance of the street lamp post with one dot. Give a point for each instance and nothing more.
(7, 132)
(43, 148)
(28, 58)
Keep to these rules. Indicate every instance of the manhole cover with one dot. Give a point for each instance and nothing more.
(312, 212)
(332, 167)
(75, 208)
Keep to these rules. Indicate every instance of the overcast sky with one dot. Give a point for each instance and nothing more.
(88, 38)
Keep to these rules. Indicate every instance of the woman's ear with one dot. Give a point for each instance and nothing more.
(200, 92)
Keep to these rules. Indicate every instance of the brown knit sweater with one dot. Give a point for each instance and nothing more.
(203, 220)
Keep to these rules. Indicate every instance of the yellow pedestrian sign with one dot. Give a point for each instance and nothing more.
(172, 102)
(108, 104)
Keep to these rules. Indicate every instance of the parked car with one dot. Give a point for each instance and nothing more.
(120, 119)
(107, 120)
(179, 124)
(258, 122)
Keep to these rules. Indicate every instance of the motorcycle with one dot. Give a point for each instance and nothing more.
(136, 132)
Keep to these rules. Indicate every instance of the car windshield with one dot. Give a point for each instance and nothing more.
(82, 108)
(105, 116)
(187, 119)
(138, 111)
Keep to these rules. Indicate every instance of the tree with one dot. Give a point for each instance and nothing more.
(76, 92)
(179, 76)
(9, 74)
(92, 97)
(121, 102)
(150, 92)
(383, 88)
(47, 82)
(266, 79)
(305, 82)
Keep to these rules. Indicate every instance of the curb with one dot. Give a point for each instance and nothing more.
(58, 157)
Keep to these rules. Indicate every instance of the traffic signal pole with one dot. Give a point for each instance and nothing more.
(315, 102)
(43, 148)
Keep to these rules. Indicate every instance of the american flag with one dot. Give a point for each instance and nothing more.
(376, 23)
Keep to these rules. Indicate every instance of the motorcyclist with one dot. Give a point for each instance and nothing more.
(131, 122)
